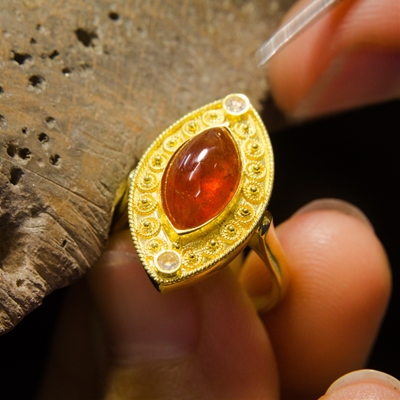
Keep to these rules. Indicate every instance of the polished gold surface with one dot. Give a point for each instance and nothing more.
(266, 244)
(174, 258)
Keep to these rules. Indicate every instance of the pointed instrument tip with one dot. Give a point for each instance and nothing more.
(291, 29)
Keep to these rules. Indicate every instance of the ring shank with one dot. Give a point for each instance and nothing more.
(266, 286)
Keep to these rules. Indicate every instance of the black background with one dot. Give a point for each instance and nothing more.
(353, 156)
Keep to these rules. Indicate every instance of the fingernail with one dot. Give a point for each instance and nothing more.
(365, 376)
(142, 324)
(355, 79)
(341, 206)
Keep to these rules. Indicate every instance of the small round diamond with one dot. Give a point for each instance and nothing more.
(168, 261)
(236, 104)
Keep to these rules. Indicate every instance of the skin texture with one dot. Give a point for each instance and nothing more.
(368, 390)
(330, 304)
(364, 384)
(348, 58)
(207, 341)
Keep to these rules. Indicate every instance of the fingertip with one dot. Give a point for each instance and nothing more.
(339, 288)
(205, 335)
(346, 234)
(141, 323)
(343, 252)
(362, 384)
(350, 57)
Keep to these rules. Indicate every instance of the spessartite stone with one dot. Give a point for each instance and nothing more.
(200, 179)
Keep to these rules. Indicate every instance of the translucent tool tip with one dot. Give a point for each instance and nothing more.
(291, 29)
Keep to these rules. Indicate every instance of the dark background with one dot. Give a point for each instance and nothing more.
(353, 156)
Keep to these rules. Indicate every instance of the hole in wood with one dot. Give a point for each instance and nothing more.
(55, 159)
(51, 122)
(113, 16)
(16, 174)
(25, 153)
(1, 90)
(36, 80)
(85, 37)
(43, 138)
(66, 71)
(12, 149)
(20, 58)
(54, 54)
(19, 282)
(24, 130)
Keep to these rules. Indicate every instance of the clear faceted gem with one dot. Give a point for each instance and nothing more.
(200, 179)
(168, 261)
(236, 104)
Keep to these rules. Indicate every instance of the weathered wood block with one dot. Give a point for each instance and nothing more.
(85, 86)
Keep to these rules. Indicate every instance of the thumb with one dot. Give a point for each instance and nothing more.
(364, 384)
(204, 341)
(348, 58)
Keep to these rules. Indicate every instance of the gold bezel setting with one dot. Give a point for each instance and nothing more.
(192, 254)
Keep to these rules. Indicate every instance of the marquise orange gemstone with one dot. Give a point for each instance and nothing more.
(200, 179)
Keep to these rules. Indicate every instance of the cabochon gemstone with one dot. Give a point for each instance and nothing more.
(200, 179)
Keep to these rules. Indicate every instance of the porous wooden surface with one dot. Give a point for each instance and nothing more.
(85, 86)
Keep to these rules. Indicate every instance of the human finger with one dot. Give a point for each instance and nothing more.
(364, 384)
(338, 291)
(350, 57)
(201, 342)
(76, 360)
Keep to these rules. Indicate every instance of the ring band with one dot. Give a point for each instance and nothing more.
(199, 195)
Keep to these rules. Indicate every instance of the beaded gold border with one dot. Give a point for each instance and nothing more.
(214, 244)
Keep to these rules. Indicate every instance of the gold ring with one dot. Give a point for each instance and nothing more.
(199, 195)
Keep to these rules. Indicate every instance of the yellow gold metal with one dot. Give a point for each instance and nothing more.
(266, 244)
(174, 258)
